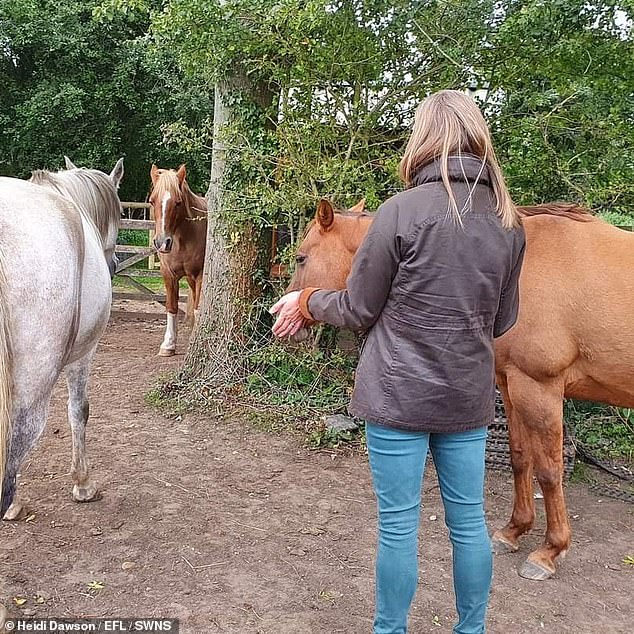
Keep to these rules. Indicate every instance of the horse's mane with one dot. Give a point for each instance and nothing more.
(91, 190)
(562, 210)
(195, 205)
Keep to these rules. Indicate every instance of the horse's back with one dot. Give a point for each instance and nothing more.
(42, 243)
(576, 308)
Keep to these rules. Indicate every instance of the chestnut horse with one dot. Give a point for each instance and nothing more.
(573, 338)
(180, 240)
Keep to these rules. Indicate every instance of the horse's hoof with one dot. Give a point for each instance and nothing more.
(534, 571)
(15, 513)
(166, 352)
(500, 545)
(86, 493)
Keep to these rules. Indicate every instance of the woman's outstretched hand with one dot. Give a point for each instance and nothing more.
(289, 317)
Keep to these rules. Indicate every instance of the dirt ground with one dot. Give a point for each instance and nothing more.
(234, 530)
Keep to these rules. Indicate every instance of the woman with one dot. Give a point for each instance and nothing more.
(435, 280)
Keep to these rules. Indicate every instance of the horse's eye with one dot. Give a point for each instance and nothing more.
(300, 259)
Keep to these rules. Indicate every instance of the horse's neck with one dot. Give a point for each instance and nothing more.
(190, 228)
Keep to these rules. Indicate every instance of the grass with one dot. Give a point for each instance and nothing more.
(608, 432)
(155, 284)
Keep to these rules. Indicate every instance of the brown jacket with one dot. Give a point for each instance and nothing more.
(433, 295)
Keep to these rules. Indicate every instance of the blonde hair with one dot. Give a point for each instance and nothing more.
(449, 123)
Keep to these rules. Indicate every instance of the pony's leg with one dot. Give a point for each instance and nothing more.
(523, 515)
(84, 489)
(537, 409)
(27, 427)
(547, 440)
(199, 293)
(191, 301)
(168, 347)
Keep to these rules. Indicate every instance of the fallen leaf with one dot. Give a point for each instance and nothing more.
(96, 585)
(329, 595)
(30, 518)
(19, 600)
(629, 560)
(39, 600)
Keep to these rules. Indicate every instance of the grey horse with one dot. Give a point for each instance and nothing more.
(57, 238)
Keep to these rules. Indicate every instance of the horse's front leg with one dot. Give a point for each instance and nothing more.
(547, 438)
(199, 293)
(190, 319)
(168, 347)
(84, 488)
(536, 433)
(523, 515)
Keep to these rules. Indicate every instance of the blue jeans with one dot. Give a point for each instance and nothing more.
(397, 461)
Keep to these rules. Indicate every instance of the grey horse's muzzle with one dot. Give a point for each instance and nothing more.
(112, 265)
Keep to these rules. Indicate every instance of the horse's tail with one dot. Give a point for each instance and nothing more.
(6, 378)
(562, 210)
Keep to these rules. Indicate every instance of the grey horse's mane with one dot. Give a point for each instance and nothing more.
(91, 190)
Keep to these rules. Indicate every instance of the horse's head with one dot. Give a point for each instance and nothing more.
(166, 200)
(324, 257)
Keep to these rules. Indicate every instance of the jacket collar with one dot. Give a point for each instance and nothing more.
(465, 168)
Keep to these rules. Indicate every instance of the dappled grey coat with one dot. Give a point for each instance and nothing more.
(433, 295)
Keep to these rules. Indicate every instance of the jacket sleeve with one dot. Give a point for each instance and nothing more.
(510, 298)
(374, 266)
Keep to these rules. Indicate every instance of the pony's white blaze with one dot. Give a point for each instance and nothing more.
(164, 202)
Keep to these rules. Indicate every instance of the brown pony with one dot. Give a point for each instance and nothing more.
(180, 240)
(573, 338)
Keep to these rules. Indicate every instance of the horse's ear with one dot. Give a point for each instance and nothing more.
(359, 207)
(181, 172)
(69, 164)
(325, 214)
(154, 173)
(116, 176)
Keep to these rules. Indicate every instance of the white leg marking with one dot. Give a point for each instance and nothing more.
(171, 332)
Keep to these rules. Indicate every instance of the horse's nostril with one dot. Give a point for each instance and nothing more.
(168, 243)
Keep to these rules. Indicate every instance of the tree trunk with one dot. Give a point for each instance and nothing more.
(233, 254)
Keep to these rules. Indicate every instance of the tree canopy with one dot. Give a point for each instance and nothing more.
(93, 88)
(555, 79)
(99, 79)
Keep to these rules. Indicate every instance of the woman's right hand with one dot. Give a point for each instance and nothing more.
(289, 317)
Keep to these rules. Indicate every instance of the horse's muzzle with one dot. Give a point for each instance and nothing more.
(163, 245)
(301, 335)
(112, 265)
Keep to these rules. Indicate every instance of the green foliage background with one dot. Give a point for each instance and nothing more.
(555, 79)
(100, 79)
(94, 89)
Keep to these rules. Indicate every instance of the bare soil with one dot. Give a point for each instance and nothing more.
(236, 530)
